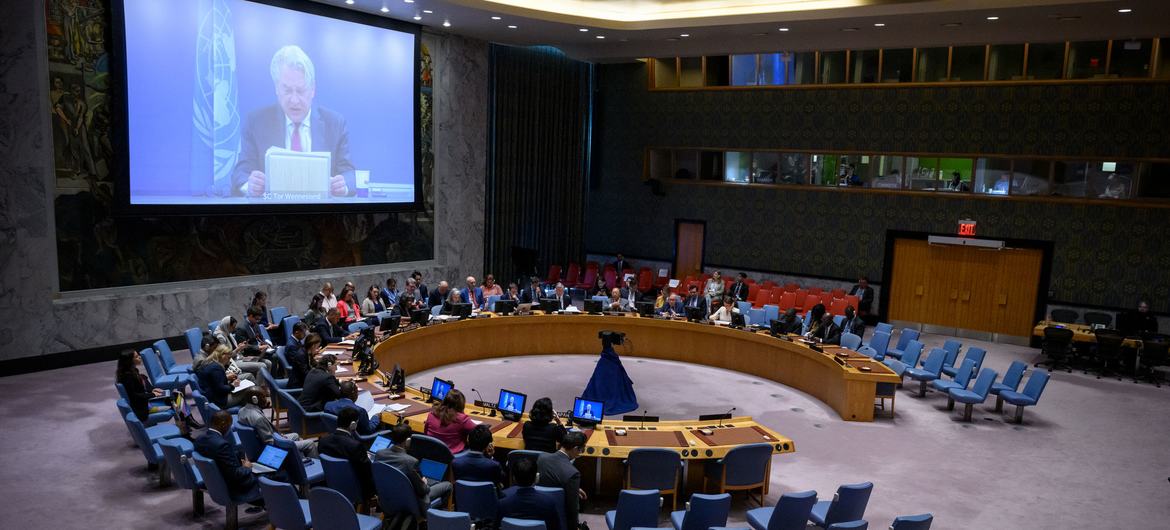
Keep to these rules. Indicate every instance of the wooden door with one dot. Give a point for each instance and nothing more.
(908, 283)
(688, 248)
(1018, 285)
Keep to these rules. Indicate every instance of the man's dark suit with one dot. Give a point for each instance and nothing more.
(557, 471)
(566, 301)
(437, 298)
(530, 296)
(477, 467)
(864, 298)
(528, 503)
(739, 291)
(330, 333)
(830, 334)
(696, 301)
(320, 388)
(669, 307)
(408, 465)
(215, 447)
(266, 127)
(344, 445)
(298, 361)
(365, 424)
(855, 326)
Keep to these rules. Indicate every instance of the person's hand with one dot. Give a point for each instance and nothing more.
(231, 376)
(157, 391)
(581, 494)
(352, 336)
(240, 347)
(235, 382)
(556, 418)
(337, 186)
(246, 463)
(256, 183)
(490, 450)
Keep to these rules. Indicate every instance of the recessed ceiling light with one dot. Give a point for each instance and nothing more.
(418, 17)
(672, 39)
(848, 29)
(385, 9)
(349, 2)
(992, 18)
(685, 35)
(495, 18)
(408, 1)
(583, 30)
(879, 25)
(511, 27)
(952, 24)
(1125, 10)
(783, 29)
(601, 36)
(428, 11)
(446, 23)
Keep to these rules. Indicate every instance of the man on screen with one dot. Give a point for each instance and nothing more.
(293, 123)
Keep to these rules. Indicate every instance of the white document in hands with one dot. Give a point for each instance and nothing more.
(297, 173)
(244, 385)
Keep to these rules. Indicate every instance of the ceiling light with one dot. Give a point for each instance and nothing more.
(427, 11)
(385, 9)
(879, 25)
(583, 30)
(446, 23)
(408, 1)
(848, 29)
(685, 35)
(349, 2)
(759, 34)
(495, 18)
(418, 17)
(1069, 18)
(992, 18)
(601, 36)
(783, 29)
(511, 27)
(1125, 10)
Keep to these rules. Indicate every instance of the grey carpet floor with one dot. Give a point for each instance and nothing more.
(1092, 454)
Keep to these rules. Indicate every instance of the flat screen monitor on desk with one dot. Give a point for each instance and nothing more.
(420, 316)
(593, 307)
(511, 404)
(587, 412)
(737, 320)
(439, 388)
(696, 314)
(645, 309)
(461, 310)
(390, 324)
(549, 305)
(505, 307)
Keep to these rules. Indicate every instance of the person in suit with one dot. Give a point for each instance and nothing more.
(330, 329)
(348, 399)
(252, 415)
(396, 455)
(250, 334)
(296, 352)
(472, 294)
(321, 385)
(616, 302)
(422, 287)
(260, 299)
(694, 300)
(512, 293)
(439, 295)
(562, 297)
(790, 323)
(543, 430)
(852, 323)
(1137, 323)
(620, 264)
(557, 471)
(293, 123)
(630, 294)
(739, 289)
(233, 465)
(217, 382)
(532, 294)
(344, 443)
(478, 463)
(824, 330)
(389, 295)
(714, 289)
(864, 294)
(524, 501)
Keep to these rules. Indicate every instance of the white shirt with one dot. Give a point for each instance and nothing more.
(306, 134)
(329, 302)
(723, 315)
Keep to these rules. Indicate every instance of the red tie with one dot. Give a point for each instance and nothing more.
(296, 137)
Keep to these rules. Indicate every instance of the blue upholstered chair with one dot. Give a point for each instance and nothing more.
(301, 474)
(850, 525)
(790, 513)
(285, 509)
(746, 467)
(838, 320)
(285, 366)
(558, 495)
(703, 512)
(905, 337)
(1031, 394)
(277, 314)
(168, 359)
(952, 347)
(635, 508)
(491, 302)
(357, 326)
(909, 359)
(511, 523)
(330, 510)
(884, 327)
(153, 433)
(177, 453)
(396, 497)
(212, 325)
(848, 504)
(422, 446)
(851, 341)
(149, 447)
(880, 343)
(974, 352)
(961, 380)
(756, 317)
(218, 489)
(478, 499)
(1010, 382)
(158, 376)
(287, 324)
(306, 424)
(931, 369)
(977, 394)
(249, 442)
(921, 521)
(743, 306)
(444, 520)
(654, 469)
(165, 414)
(771, 312)
(339, 476)
(194, 338)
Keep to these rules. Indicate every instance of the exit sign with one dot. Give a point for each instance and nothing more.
(967, 228)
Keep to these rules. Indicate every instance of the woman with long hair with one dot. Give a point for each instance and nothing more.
(543, 430)
(448, 423)
(139, 391)
(373, 301)
(316, 312)
(347, 305)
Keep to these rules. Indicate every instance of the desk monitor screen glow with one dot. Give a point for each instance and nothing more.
(439, 388)
(235, 102)
(588, 411)
(511, 404)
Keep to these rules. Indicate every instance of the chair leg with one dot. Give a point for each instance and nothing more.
(233, 517)
(197, 502)
(967, 411)
(950, 403)
(922, 388)
(998, 403)
(164, 475)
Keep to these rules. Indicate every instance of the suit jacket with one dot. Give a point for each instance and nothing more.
(216, 447)
(864, 297)
(298, 361)
(530, 296)
(739, 291)
(265, 128)
(245, 332)
(253, 417)
(343, 444)
(422, 291)
(668, 308)
(696, 301)
(793, 326)
(855, 326)
(830, 334)
(542, 437)
(477, 467)
(566, 301)
(528, 503)
(330, 333)
(320, 388)
(556, 470)
(396, 456)
(214, 383)
(620, 266)
(365, 424)
(436, 298)
(467, 296)
(625, 294)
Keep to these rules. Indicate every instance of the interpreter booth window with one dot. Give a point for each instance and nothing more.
(660, 166)
(967, 63)
(1069, 178)
(833, 67)
(744, 71)
(1131, 58)
(1045, 60)
(786, 68)
(1163, 58)
(1030, 177)
(686, 164)
(823, 169)
(691, 71)
(883, 172)
(864, 66)
(993, 176)
(921, 173)
(765, 167)
(738, 167)
(1005, 62)
(804, 68)
(665, 72)
(932, 65)
(718, 70)
(1109, 180)
(1086, 60)
(793, 168)
(711, 165)
(954, 174)
(898, 65)
(1155, 180)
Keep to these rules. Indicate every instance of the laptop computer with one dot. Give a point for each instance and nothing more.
(270, 460)
(432, 469)
(379, 444)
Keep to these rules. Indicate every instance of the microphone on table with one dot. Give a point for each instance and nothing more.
(482, 404)
(643, 425)
(728, 413)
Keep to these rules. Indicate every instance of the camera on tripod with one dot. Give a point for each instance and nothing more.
(363, 352)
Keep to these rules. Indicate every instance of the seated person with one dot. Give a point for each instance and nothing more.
(321, 385)
(297, 354)
(217, 381)
(448, 423)
(390, 294)
(630, 292)
(812, 317)
(330, 328)
(348, 308)
(453, 297)
(206, 345)
(490, 288)
(472, 294)
(668, 303)
(616, 302)
(344, 443)
(315, 314)
(852, 323)
(250, 334)
(694, 300)
(1137, 323)
(139, 391)
(723, 314)
(533, 293)
(373, 302)
(790, 324)
(233, 466)
(396, 455)
(543, 430)
(524, 501)
(557, 471)
(599, 288)
(562, 297)
(411, 298)
(260, 299)
(252, 415)
(825, 331)
(478, 463)
(348, 399)
(864, 294)
(439, 295)
(247, 357)
(513, 293)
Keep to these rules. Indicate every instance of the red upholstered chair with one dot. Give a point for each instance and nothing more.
(774, 299)
(573, 277)
(769, 284)
(590, 279)
(610, 277)
(787, 300)
(852, 300)
(753, 289)
(838, 306)
(791, 287)
(554, 274)
(811, 300)
(838, 293)
(763, 296)
(815, 290)
(801, 294)
(661, 281)
(645, 279)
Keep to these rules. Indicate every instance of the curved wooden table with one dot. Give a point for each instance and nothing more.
(840, 383)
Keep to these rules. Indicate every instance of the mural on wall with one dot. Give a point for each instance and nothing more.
(98, 248)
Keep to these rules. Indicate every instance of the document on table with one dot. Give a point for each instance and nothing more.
(376, 409)
(297, 173)
(365, 400)
(244, 385)
(342, 369)
(397, 407)
(346, 342)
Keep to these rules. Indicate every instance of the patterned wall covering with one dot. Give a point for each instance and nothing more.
(97, 249)
(1104, 255)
